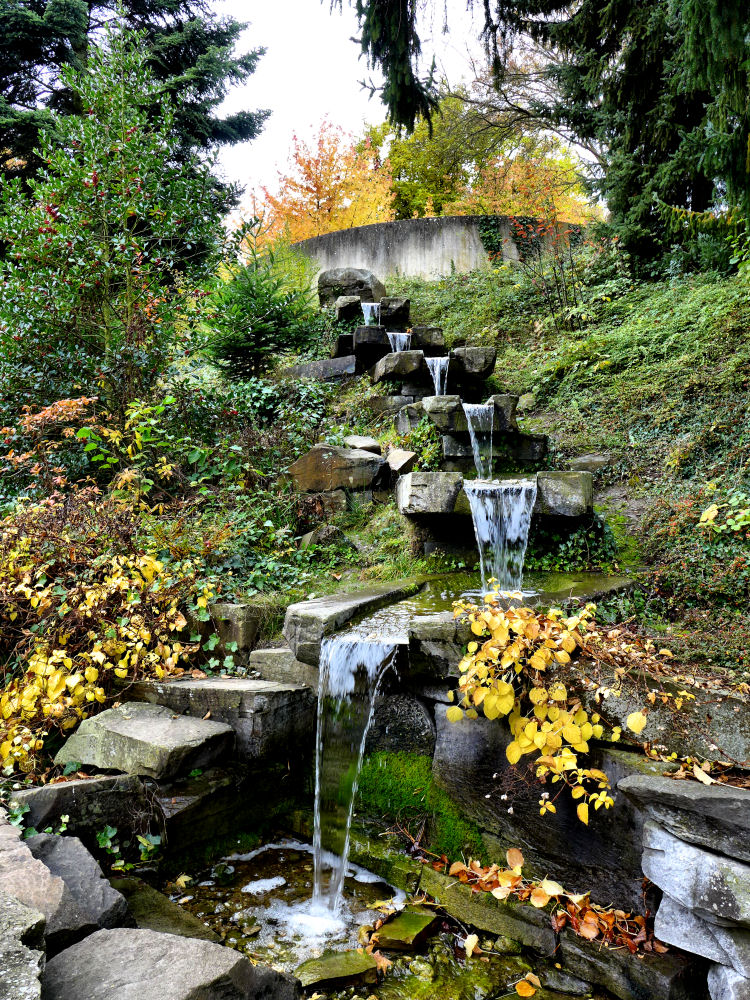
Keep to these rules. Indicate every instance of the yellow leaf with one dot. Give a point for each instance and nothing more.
(525, 989)
(583, 812)
(539, 898)
(701, 775)
(636, 722)
(514, 857)
(471, 944)
(551, 888)
(513, 752)
(91, 674)
(454, 714)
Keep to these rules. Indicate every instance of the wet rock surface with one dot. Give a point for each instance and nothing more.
(401, 723)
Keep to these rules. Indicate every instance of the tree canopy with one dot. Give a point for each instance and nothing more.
(189, 49)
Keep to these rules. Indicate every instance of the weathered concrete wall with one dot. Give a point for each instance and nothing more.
(425, 248)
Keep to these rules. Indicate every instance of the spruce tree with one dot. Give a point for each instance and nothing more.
(189, 49)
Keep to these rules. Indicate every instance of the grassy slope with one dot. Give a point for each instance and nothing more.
(660, 380)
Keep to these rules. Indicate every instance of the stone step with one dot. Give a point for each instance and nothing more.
(147, 739)
(267, 717)
(281, 666)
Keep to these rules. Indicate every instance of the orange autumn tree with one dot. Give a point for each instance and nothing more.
(537, 181)
(330, 183)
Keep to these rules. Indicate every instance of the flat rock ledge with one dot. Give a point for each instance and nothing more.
(132, 964)
(147, 739)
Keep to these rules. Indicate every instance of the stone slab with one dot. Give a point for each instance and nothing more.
(726, 984)
(401, 366)
(428, 492)
(279, 664)
(153, 911)
(564, 494)
(446, 413)
(337, 969)
(712, 886)
(147, 739)
(713, 816)
(401, 461)
(307, 623)
(326, 369)
(21, 950)
(675, 924)
(328, 467)
(132, 964)
(266, 717)
(363, 442)
(476, 363)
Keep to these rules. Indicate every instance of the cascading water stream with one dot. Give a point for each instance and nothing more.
(480, 417)
(351, 668)
(439, 371)
(501, 512)
(399, 341)
(371, 312)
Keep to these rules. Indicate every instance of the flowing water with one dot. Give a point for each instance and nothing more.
(439, 371)
(501, 512)
(399, 341)
(371, 312)
(480, 417)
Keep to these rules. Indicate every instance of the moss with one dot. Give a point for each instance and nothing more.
(398, 787)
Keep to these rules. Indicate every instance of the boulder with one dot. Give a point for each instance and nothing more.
(325, 534)
(236, 623)
(726, 984)
(505, 412)
(282, 666)
(401, 461)
(326, 369)
(401, 366)
(148, 740)
(67, 858)
(363, 443)
(267, 718)
(371, 337)
(350, 281)
(526, 402)
(675, 924)
(347, 308)
(407, 418)
(446, 413)
(711, 886)
(712, 816)
(429, 339)
(473, 363)
(307, 623)
(133, 964)
(590, 463)
(119, 800)
(428, 492)
(672, 976)
(401, 722)
(21, 950)
(153, 911)
(394, 312)
(328, 467)
(387, 404)
(564, 494)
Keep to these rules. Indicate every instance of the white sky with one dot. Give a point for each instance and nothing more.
(312, 70)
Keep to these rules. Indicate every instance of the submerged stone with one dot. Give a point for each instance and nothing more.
(407, 931)
(338, 969)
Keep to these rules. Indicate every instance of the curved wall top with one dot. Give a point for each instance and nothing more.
(425, 248)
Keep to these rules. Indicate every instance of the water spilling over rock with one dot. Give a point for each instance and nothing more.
(371, 312)
(480, 418)
(351, 668)
(439, 371)
(399, 341)
(501, 512)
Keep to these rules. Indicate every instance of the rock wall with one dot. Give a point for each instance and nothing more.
(424, 248)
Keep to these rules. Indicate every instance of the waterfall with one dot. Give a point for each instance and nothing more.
(399, 341)
(501, 512)
(480, 418)
(439, 371)
(351, 668)
(371, 311)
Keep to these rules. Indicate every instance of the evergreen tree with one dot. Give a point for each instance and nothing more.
(189, 49)
(662, 86)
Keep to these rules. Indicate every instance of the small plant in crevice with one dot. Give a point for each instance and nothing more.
(146, 846)
(424, 439)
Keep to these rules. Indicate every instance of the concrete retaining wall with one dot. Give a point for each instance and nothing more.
(425, 248)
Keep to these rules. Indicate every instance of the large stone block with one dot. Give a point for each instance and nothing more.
(504, 417)
(726, 984)
(307, 623)
(325, 370)
(429, 339)
(21, 950)
(713, 816)
(447, 414)
(428, 492)
(471, 765)
(148, 740)
(347, 308)
(89, 803)
(394, 312)
(238, 623)
(363, 443)
(473, 363)
(400, 461)
(401, 366)
(387, 404)
(436, 646)
(407, 418)
(672, 976)
(352, 281)
(145, 965)
(712, 886)
(675, 924)
(267, 718)
(564, 494)
(328, 467)
(281, 665)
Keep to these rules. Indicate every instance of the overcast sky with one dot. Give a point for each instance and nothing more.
(312, 69)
